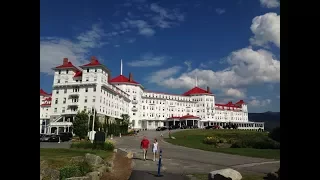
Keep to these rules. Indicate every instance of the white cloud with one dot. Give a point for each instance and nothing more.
(117, 45)
(246, 67)
(270, 3)
(143, 27)
(54, 49)
(255, 102)
(159, 76)
(165, 18)
(234, 93)
(148, 60)
(266, 29)
(188, 64)
(220, 11)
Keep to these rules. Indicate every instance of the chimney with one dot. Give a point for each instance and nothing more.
(130, 77)
(65, 61)
(93, 59)
(208, 89)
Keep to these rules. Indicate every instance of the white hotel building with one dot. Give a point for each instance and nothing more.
(91, 86)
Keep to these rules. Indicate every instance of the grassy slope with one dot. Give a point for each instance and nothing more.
(57, 158)
(193, 139)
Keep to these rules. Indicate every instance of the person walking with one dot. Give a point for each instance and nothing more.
(155, 147)
(144, 145)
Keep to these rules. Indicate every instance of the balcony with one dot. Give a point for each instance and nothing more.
(69, 112)
(212, 107)
(134, 101)
(73, 103)
(208, 107)
(134, 109)
(208, 113)
(74, 94)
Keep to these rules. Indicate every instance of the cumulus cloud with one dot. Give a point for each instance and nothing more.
(255, 102)
(143, 27)
(270, 3)
(149, 59)
(266, 29)
(159, 76)
(234, 93)
(246, 66)
(54, 49)
(165, 18)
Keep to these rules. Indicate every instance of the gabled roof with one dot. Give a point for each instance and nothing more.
(66, 65)
(230, 104)
(78, 74)
(122, 79)
(94, 62)
(189, 117)
(196, 90)
(43, 93)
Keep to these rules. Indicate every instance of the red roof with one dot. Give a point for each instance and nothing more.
(231, 105)
(189, 117)
(122, 79)
(94, 62)
(66, 65)
(78, 74)
(184, 117)
(43, 93)
(196, 90)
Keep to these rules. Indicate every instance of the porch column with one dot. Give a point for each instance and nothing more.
(40, 128)
(192, 122)
(63, 118)
(174, 122)
(57, 131)
(68, 128)
(64, 129)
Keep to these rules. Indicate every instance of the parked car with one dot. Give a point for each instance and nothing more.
(183, 127)
(208, 127)
(163, 128)
(64, 136)
(158, 129)
(49, 138)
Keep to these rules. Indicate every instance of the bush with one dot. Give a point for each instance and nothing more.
(275, 134)
(256, 144)
(75, 170)
(107, 146)
(213, 140)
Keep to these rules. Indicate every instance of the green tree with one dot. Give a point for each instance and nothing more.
(106, 123)
(80, 124)
(275, 134)
(97, 123)
(125, 119)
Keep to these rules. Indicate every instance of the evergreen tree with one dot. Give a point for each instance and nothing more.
(80, 124)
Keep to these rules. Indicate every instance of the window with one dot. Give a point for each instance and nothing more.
(64, 100)
(85, 108)
(58, 81)
(87, 70)
(86, 90)
(94, 89)
(55, 110)
(63, 109)
(95, 79)
(94, 99)
(133, 113)
(67, 71)
(85, 99)
(133, 123)
(65, 91)
(59, 71)
(87, 78)
(56, 101)
(95, 70)
(57, 91)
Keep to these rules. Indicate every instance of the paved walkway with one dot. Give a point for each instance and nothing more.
(183, 160)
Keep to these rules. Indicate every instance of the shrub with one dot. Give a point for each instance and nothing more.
(107, 146)
(211, 140)
(69, 171)
(257, 143)
(75, 170)
(275, 134)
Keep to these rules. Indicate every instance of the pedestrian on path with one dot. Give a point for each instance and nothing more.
(155, 148)
(144, 145)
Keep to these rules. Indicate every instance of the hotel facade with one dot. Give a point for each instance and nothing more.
(92, 86)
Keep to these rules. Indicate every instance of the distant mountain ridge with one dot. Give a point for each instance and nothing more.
(270, 119)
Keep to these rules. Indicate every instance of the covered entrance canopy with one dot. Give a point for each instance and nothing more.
(187, 120)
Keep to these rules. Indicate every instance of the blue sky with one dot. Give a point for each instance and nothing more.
(233, 46)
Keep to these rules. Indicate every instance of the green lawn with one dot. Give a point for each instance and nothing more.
(194, 138)
(245, 176)
(57, 158)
